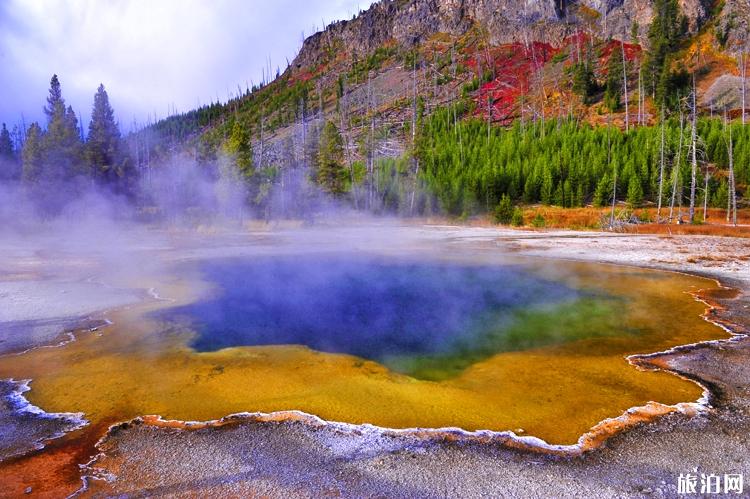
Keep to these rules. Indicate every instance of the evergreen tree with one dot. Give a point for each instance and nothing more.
(634, 29)
(517, 218)
(7, 152)
(504, 211)
(664, 34)
(566, 164)
(635, 191)
(240, 150)
(584, 80)
(32, 154)
(613, 89)
(62, 145)
(584, 83)
(603, 192)
(55, 107)
(103, 148)
(331, 174)
(8, 170)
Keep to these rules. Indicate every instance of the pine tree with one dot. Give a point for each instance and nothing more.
(635, 191)
(8, 170)
(32, 154)
(570, 164)
(613, 88)
(7, 152)
(584, 83)
(103, 148)
(239, 149)
(603, 191)
(331, 174)
(62, 145)
(664, 34)
(55, 107)
(504, 211)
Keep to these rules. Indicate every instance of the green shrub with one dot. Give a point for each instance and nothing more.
(538, 221)
(504, 211)
(517, 220)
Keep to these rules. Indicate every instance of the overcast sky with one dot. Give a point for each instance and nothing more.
(151, 55)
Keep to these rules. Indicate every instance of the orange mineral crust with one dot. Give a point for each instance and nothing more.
(560, 398)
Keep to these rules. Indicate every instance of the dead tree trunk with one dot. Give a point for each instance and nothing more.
(489, 118)
(370, 155)
(694, 157)
(743, 80)
(414, 139)
(732, 198)
(458, 132)
(640, 95)
(262, 122)
(414, 103)
(625, 85)
(676, 168)
(661, 170)
(614, 181)
(344, 120)
(705, 196)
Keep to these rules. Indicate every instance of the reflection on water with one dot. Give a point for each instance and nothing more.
(531, 346)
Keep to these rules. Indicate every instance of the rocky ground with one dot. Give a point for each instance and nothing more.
(251, 457)
(48, 288)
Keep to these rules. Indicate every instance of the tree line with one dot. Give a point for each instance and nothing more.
(450, 161)
(470, 168)
(58, 150)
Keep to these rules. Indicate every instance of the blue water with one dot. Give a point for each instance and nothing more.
(365, 306)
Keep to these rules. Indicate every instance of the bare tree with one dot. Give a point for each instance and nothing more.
(661, 169)
(732, 198)
(414, 101)
(640, 100)
(372, 172)
(262, 123)
(303, 120)
(706, 195)
(414, 135)
(625, 84)
(676, 167)
(344, 125)
(614, 180)
(742, 62)
(694, 150)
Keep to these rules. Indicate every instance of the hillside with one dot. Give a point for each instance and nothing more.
(383, 78)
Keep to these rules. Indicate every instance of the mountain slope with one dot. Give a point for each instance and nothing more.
(379, 76)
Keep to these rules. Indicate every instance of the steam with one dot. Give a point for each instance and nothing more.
(177, 192)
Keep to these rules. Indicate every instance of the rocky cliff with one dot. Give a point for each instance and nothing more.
(504, 21)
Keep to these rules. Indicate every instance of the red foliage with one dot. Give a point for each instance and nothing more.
(514, 66)
(632, 52)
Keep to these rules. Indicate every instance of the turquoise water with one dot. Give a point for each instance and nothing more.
(400, 313)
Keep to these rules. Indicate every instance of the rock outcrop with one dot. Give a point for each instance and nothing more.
(410, 21)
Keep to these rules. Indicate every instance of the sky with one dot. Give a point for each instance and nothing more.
(152, 56)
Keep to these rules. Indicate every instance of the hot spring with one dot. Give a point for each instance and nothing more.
(429, 320)
(458, 338)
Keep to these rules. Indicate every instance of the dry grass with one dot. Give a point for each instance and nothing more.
(590, 218)
(686, 229)
(565, 218)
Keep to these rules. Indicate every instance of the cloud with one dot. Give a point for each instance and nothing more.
(152, 55)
